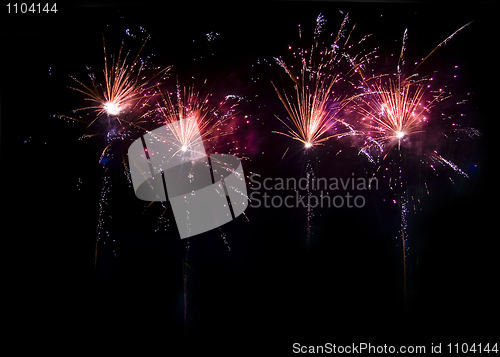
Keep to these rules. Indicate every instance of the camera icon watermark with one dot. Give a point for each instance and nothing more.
(205, 192)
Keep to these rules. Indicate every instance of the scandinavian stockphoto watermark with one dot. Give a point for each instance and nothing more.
(311, 192)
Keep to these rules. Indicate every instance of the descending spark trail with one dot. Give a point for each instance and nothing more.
(100, 221)
(439, 158)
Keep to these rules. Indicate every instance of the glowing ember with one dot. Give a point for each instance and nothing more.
(111, 108)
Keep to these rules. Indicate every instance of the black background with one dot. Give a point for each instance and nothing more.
(270, 290)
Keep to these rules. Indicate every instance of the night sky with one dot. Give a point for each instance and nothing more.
(270, 289)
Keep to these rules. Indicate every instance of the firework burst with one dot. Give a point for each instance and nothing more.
(314, 107)
(124, 88)
(391, 111)
(311, 112)
(197, 121)
(391, 108)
